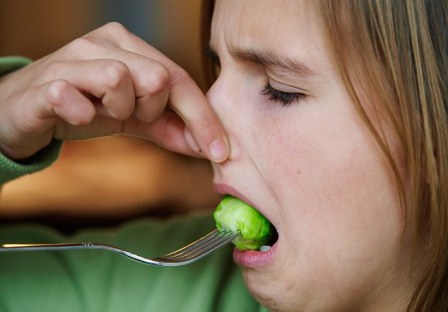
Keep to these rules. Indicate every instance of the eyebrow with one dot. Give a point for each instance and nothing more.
(269, 58)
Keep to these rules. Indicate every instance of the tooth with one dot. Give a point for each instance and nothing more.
(265, 248)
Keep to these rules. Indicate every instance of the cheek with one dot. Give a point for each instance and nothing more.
(330, 182)
(337, 209)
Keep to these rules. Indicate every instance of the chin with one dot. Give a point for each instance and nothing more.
(262, 292)
(268, 290)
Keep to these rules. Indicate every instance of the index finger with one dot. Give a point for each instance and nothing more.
(188, 101)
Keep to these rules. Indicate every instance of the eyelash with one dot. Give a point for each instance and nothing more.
(284, 98)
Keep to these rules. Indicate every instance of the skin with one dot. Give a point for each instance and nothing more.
(106, 82)
(312, 168)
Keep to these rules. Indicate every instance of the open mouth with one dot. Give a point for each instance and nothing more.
(261, 256)
(272, 239)
(235, 213)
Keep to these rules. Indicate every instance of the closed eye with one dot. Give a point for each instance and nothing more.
(214, 60)
(284, 98)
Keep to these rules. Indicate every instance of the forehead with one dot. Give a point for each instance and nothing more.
(288, 27)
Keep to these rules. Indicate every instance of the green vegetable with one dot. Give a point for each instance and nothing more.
(237, 216)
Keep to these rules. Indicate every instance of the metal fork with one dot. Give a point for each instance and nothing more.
(185, 255)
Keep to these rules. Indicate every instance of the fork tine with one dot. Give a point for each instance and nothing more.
(201, 241)
(203, 251)
(200, 248)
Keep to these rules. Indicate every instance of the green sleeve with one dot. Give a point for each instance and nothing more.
(11, 63)
(10, 169)
(89, 280)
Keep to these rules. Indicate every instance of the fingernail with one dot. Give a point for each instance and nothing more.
(219, 150)
(190, 141)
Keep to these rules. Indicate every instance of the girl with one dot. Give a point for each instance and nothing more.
(335, 112)
(337, 118)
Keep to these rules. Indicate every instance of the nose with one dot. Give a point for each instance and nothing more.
(222, 97)
(216, 96)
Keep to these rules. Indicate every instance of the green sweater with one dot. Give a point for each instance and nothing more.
(102, 281)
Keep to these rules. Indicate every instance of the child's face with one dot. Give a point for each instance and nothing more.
(311, 167)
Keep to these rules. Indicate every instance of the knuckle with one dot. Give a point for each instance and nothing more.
(115, 72)
(79, 45)
(115, 28)
(56, 91)
(157, 80)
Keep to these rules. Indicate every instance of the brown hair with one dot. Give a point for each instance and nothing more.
(397, 50)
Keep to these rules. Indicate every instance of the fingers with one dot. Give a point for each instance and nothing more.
(113, 81)
(107, 82)
(35, 114)
(119, 78)
(73, 100)
(166, 131)
(111, 84)
(151, 83)
(204, 135)
(186, 98)
(56, 98)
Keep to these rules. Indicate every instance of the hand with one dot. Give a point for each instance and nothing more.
(107, 82)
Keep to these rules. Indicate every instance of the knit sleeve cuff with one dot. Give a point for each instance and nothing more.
(9, 64)
(10, 169)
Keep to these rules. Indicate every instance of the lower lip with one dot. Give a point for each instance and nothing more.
(251, 258)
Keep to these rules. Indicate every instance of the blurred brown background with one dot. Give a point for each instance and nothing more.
(113, 178)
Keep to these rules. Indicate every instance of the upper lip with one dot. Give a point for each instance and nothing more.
(225, 189)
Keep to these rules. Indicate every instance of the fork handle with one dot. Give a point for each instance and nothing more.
(75, 246)
(48, 247)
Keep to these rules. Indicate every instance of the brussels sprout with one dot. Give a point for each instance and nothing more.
(237, 216)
